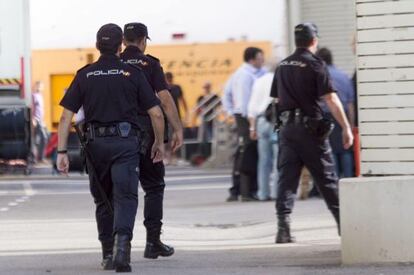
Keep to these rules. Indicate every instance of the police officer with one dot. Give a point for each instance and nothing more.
(152, 173)
(300, 81)
(111, 93)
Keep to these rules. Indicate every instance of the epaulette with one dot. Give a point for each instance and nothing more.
(134, 66)
(87, 65)
(153, 57)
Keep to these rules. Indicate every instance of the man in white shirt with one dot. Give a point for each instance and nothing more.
(263, 129)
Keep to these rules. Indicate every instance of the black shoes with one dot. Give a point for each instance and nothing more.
(122, 255)
(249, 198)
(283, 231)
(232, 198)
(156, 248)
(107, 256)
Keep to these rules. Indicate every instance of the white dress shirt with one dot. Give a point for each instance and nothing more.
(260, 97)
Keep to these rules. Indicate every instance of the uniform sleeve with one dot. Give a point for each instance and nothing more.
(146, 95)
(323, 80)
(273, 91)
(73, 98)
(158, 78)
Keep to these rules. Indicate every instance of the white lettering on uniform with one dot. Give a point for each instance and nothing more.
(293, 63)
(104, 73)
(136, 61)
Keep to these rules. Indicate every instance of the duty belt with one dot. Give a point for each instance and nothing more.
(121, 129)
(293, 116)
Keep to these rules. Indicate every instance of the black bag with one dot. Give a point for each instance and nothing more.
(249, 158)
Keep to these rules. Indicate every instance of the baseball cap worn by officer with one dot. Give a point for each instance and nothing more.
(109, 38)
(133, 31)
(306, 31)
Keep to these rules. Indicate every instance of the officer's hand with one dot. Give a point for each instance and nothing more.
(62, 163)
(176, 140)
(347, 138)
(157, 152)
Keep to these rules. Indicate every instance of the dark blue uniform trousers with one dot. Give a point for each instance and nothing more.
(298, 147)
(116, 163)
(152, 182)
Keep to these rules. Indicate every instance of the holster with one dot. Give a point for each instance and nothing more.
(321, 128)
(145, 142)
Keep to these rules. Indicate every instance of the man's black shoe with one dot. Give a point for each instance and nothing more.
(107, 256)
(284, 236)
(249, 198)
(122, 256)
(283, 231)
(155, 249)
(232, 198)
(108, 263)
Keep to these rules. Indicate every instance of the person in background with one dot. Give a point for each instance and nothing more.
(179, 100)
(344, 158)
(206, 99)
(262, 118)
(177, 94)
(235, 101)
(40, 135)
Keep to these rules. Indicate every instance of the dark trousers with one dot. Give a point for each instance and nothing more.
(244, 184)
(115, 160)
(152, 182)
(297, 147)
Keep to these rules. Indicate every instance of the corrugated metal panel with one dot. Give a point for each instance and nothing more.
(336, 22)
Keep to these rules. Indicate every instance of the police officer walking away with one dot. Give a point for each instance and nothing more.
(300, 82)
(152, 173)
(111, 93)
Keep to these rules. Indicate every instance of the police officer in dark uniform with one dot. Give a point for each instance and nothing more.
(152, 174)
(111, 92)
(300, 82)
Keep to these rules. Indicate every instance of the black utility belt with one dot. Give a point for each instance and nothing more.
(319, 127)
(120, 129)
(292, 116)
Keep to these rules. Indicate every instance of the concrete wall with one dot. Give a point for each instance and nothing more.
(377, 220)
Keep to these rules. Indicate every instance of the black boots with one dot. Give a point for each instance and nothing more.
(107, 255)
(283, 231)
(155, 247)
(122, 256)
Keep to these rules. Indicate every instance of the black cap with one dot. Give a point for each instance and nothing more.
(306, 31)
(132, 31)
(109, 36)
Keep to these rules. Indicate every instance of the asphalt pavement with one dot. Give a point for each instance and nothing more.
(47, 226)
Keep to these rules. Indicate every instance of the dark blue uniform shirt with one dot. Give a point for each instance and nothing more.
(149, 65)
(300, 81)
(110, 91)
(154, 74)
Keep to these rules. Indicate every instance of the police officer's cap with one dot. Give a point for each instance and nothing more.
(306, 31)
(134, 31)
(109, 36)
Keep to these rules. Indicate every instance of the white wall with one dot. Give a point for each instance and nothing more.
(386, 86)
